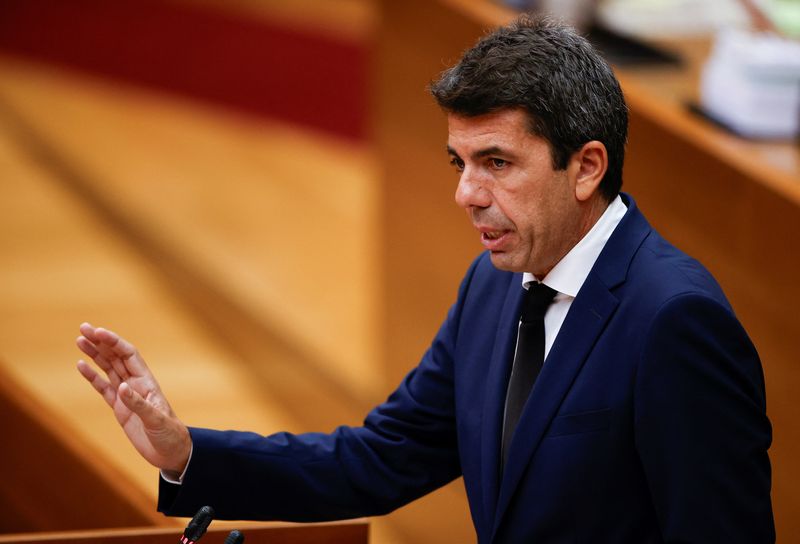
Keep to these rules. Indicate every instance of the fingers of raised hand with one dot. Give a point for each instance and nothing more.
(87, 330)
(106, 390)
(107, 345)
(89, 348)
(110, 340)
(110, 351)
(86, 345)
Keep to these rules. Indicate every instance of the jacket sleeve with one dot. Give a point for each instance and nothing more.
(702, 431)
(405, 448)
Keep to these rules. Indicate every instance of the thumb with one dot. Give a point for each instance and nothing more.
(149, 414)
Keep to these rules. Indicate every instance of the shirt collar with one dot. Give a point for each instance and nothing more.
(568, 275)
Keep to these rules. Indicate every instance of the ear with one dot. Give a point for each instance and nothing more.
(588, 165)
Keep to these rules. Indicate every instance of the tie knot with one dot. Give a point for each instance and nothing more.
(537, 299)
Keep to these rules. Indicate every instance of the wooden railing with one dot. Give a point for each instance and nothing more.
(353, 532)
(51, 480)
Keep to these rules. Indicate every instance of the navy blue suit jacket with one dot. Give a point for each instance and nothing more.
(647, 423)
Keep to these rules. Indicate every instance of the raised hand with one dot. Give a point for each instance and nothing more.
(136, 398)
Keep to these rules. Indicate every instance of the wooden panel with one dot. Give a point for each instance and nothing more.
(52, 481)
(428, 241)
(102, 224)
(61, 265)
(354, 532)
(227, 209)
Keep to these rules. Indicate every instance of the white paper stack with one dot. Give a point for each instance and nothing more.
(670, 18)
(751, 83)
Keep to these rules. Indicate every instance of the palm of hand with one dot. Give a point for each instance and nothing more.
(135, 397)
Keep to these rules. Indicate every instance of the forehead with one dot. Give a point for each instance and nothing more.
(507, 130)
(496, 122)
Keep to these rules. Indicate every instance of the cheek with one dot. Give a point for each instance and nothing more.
(528, 231)
(523, 211)
(513, 204)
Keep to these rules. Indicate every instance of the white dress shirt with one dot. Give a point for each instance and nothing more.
(568, 275)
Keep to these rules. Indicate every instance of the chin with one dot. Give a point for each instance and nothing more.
(504, 261)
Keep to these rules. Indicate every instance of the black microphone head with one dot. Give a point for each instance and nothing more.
(234, 537)
(200, 522)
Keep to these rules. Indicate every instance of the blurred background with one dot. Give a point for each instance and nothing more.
(209, 177)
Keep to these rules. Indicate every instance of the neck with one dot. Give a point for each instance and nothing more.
(591, 212)
(595, 208)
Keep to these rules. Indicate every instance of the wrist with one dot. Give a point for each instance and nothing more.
(176, 476)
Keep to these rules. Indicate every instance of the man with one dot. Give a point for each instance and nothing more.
(647, 421)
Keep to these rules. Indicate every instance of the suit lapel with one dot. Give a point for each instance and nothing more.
(494, 399)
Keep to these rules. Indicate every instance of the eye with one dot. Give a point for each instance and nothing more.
(497, 163)
(457, 163)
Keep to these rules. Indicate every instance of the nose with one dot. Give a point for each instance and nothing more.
(471, 191)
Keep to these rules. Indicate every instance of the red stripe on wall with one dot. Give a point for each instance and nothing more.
(252, 65)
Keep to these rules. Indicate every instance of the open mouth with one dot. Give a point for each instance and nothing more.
(493, 235)
(494, 240)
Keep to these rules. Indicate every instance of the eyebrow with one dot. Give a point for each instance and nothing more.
(493, 150)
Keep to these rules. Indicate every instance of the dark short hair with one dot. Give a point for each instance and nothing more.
(569, 91)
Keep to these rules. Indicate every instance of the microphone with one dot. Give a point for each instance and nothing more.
(234, 537)
(197, 527)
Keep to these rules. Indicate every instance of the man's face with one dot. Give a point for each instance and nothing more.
(526, 212)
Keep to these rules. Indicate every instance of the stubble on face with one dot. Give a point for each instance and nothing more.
(524, 210)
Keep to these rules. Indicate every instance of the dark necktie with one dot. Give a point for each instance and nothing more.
(528, 358)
